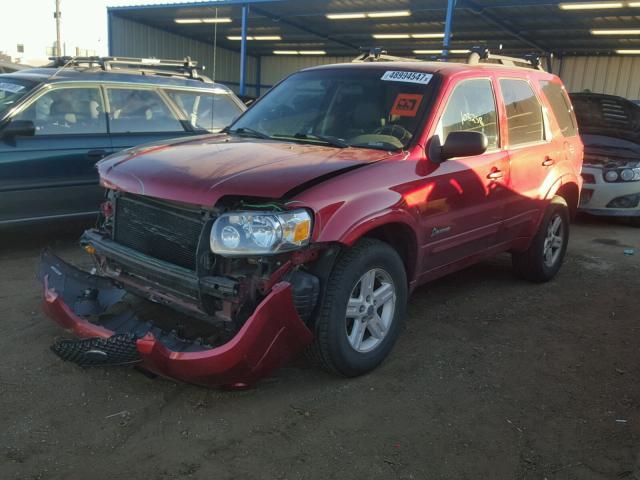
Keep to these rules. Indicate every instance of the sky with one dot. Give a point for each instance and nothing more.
(31, 22)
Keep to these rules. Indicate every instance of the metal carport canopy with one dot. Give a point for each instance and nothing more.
(403, 27)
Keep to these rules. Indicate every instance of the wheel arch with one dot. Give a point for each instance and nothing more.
(571, 193)
(402, 238)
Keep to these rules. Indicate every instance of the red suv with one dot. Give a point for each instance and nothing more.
(308, 221)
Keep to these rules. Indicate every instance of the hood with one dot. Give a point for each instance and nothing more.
(607, 115)
(202, 170)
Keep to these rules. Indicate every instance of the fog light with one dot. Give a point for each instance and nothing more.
(626, 201)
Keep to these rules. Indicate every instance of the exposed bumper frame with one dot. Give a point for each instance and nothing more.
(271, 336)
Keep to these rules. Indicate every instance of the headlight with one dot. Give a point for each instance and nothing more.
(260, 233)
(611, 175)
(630, 173)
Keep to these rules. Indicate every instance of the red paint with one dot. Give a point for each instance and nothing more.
(418, 196)
(271, 336)
(203, 170)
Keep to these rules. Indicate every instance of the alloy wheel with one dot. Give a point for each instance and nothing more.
(370, 310)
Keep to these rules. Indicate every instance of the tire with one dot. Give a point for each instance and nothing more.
(332, 348)
(536, 264)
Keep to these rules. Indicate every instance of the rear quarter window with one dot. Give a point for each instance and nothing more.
(561, 107)
(525, 122)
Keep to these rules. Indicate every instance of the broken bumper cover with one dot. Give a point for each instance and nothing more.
(271, 336)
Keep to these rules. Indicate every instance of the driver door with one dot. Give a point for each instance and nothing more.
(51, 174)
(465, 209)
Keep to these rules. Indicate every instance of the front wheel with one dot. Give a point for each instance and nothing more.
(363, 309)
(542, 260)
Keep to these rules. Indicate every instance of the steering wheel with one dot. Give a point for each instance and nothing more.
(395, 130)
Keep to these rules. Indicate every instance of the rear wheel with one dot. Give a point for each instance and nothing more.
(363, 309)
(542, 260)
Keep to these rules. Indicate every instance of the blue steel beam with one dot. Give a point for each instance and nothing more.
(448, 25)
(243, 50)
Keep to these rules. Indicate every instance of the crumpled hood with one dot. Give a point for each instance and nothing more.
(203, 169)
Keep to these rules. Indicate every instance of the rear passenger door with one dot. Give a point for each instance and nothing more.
(531, 154)
(52, 173)
(141, 115)
(206, 110)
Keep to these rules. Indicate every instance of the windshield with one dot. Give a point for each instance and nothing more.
(368, 108)
(12, 90)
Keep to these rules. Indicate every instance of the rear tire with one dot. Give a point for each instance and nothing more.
(363, 309)
(542, 260)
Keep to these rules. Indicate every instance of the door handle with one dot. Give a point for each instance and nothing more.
(548, 161)
(495, 175)
(96, 154)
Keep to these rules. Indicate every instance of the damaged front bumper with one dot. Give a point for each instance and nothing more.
(80, 301)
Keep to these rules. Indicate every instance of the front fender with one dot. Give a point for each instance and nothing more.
(350, 220)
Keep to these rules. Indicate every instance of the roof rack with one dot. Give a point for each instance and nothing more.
(481, 53)
(378, 54)
(146, 66)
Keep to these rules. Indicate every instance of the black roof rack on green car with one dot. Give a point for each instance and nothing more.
(146, 66)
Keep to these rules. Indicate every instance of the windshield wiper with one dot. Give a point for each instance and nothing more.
(333, 141)
(250, 132)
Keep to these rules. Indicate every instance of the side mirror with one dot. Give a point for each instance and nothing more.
(19, 128)
(458, 144)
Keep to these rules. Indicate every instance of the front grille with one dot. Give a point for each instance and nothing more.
(589, 178)
(159, 229)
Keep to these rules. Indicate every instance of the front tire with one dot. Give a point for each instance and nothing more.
(363, 309)
(543, 259)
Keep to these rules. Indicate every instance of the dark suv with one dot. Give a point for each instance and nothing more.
(57, 122)
(310, 219)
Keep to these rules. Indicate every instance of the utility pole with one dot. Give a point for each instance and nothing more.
(56, 15)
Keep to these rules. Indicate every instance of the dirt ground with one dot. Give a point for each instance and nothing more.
(493, 378)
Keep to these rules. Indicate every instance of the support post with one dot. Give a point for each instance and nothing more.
(58, 36)
(243, 50)
(258, 75)
(448, 24)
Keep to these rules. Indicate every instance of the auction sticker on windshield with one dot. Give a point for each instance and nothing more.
(11, 87)
(411, 77)
(406, 105)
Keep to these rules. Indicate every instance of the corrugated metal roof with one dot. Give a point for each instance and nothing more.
(518, 26)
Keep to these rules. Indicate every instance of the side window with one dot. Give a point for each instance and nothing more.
(471, 108)
(561, 107)
(67, 111)
(140, 111)
(206, 111)
(524, 112)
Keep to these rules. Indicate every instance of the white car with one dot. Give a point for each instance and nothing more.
(610, 130)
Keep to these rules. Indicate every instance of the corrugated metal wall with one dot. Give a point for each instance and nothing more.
(133, 39)
(615, 75)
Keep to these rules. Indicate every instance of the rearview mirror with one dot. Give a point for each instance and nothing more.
(458, 144)
(19, 128)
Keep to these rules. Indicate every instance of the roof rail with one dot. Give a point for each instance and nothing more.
(481, 53)
(155, 66)
(378, 54)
